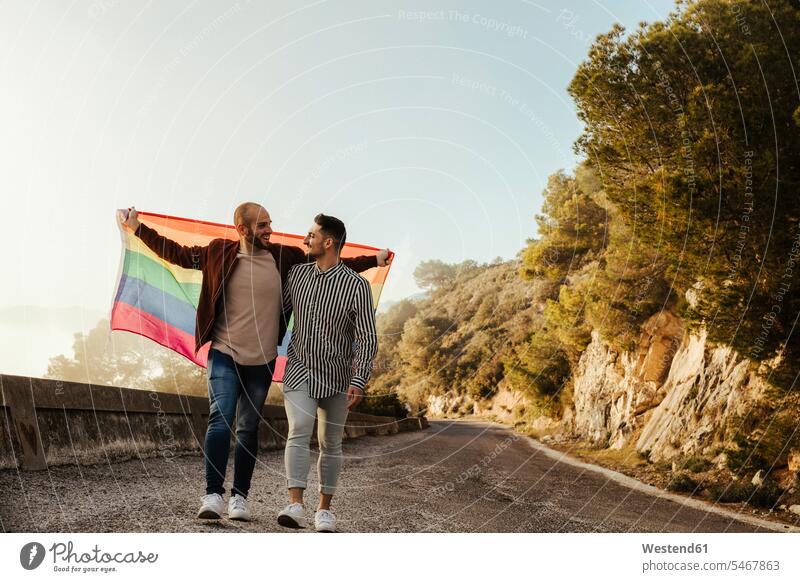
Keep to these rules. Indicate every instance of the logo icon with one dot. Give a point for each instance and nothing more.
(31, 555)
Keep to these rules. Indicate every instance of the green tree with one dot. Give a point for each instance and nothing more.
(572, 227)
(128, 361)
(627, 286)
(389, 371)
(539, 366)
(434, 274)
(691, 122)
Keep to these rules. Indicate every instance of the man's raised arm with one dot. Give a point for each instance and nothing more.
(365, 262)
(193, 257)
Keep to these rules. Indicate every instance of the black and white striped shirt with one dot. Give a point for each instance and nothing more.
(334, 339)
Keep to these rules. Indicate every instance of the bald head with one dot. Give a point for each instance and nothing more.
(247, 213)
(253, 224)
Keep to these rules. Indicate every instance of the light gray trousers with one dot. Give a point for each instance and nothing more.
(301, 410)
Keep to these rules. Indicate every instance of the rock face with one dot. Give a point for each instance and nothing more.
(449, 405)
(675, 394)
(612, 391)
(707, 390)
(506, 405)
(794, 462)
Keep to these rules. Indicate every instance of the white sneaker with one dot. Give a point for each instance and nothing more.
(325, 521)
(212, 506)
(237, 508)
(293, 515)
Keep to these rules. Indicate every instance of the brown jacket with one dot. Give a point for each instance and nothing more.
(217, 261)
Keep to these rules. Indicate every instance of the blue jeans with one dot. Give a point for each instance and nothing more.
(232, 386)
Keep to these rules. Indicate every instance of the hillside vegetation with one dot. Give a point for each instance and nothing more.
(686, 204)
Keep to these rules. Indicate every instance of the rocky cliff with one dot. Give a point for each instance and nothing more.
(675, 395)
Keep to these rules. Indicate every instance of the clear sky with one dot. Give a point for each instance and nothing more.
(429, 127)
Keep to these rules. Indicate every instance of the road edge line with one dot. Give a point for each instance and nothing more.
(636, 485)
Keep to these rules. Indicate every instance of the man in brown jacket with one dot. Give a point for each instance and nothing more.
(240, 313)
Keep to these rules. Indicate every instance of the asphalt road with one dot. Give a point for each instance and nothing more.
(454, 477)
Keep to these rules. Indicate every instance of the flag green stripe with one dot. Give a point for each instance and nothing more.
(142, 267)
(135, 245)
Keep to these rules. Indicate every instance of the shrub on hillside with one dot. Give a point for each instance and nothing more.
(764, 439)
(382, 405)
(695, 464)
(682, 483)
(766, 496)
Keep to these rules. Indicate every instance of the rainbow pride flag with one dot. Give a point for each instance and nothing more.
(159, 300)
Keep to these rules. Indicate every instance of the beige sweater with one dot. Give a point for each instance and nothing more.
(246, 327)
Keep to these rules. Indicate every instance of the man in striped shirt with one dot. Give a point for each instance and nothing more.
(328, 364)
(240, 314)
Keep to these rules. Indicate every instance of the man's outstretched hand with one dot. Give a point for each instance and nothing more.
(132, 221)
(354, 396)
(385, 258)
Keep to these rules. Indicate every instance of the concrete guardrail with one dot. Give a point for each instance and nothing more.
(50, 422)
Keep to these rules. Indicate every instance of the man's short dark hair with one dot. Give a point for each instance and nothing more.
(333, 228)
